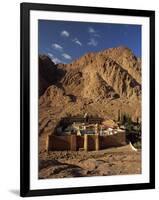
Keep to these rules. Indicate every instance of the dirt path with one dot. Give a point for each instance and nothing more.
(114, 161)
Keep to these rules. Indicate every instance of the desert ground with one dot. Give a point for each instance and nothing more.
(113, 161)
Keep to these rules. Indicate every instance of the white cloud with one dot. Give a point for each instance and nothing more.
(57, 46)
(50, 55)
(54, 58)
(66, 56)
(75, 40)
(65, 33)
(91, 30)
(96, 35)
(92, 42)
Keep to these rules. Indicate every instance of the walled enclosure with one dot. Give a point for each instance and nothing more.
(86, 142)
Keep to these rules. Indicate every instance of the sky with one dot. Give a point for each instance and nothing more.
(64, 41)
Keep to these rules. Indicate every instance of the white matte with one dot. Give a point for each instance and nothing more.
(85, 181)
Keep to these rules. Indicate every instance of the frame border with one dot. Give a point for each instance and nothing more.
(25, 9)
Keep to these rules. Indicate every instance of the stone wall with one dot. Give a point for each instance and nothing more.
(80, 142)
(115, 140)
(59, 143)
(86, 142)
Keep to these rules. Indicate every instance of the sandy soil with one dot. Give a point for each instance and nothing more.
(114, 161)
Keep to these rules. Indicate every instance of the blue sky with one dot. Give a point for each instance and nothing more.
(65, 41)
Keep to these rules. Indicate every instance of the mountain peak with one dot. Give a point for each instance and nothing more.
(99, 83)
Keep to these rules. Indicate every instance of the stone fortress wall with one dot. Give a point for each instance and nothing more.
(87, 142)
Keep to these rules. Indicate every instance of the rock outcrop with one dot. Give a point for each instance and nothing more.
(100, 83)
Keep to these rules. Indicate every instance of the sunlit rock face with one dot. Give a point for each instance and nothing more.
(100, 84)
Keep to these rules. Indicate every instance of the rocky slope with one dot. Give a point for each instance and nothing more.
(114, 161)
(48, 73)
(99, 83)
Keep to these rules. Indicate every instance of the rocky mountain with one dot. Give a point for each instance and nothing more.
(48, 73)
(99, 83)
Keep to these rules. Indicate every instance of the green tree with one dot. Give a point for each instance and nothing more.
(133, 130)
